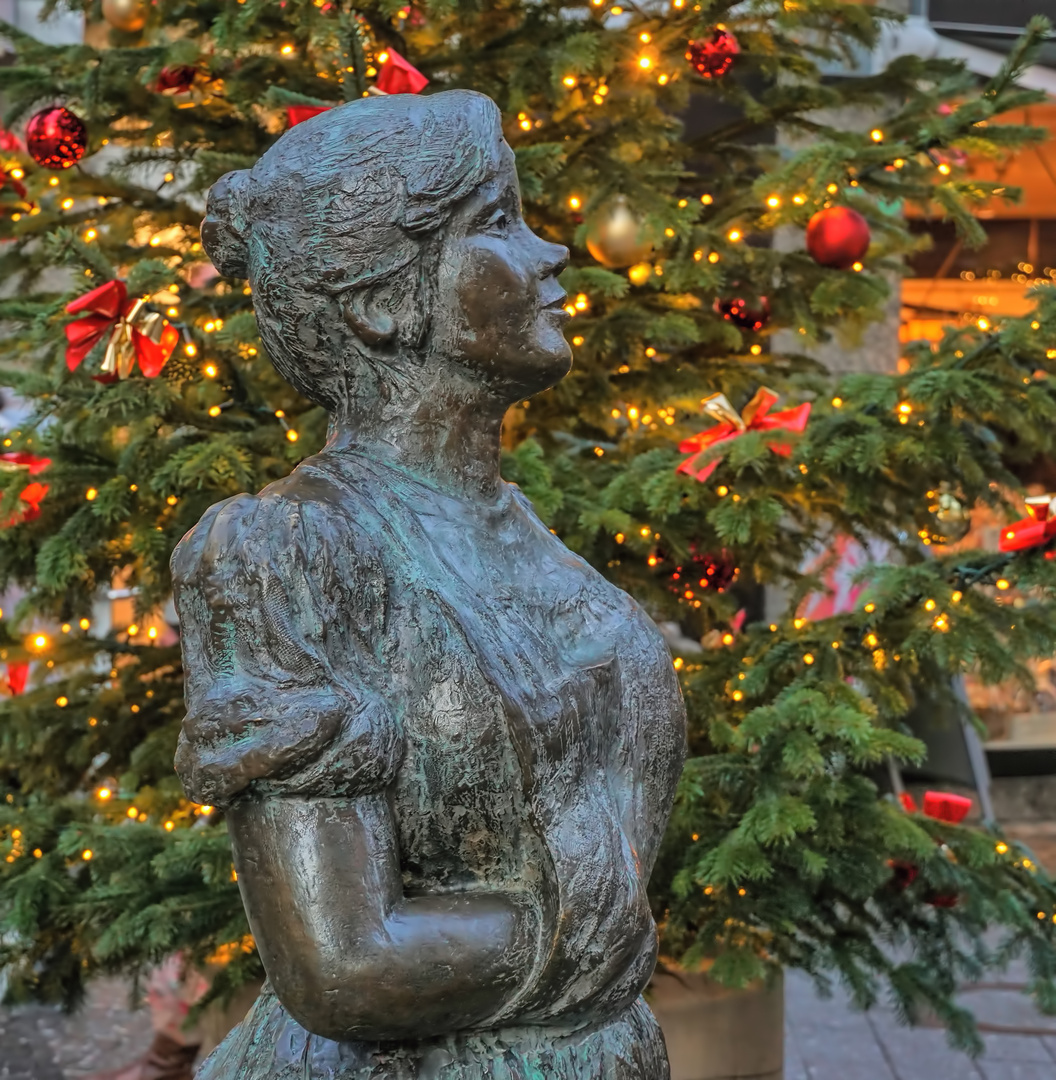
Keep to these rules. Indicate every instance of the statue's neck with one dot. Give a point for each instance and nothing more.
(447, 433)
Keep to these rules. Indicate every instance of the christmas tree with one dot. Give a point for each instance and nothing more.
(691, 456)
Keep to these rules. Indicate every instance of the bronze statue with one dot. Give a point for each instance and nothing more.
(446, 746)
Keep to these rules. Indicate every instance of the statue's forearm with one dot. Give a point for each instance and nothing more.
(348, 954)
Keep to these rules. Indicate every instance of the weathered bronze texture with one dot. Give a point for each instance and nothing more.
(447, 747)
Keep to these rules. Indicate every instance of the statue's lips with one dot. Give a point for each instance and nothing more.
(557, 304)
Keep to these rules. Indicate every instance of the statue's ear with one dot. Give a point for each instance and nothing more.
(367, 319)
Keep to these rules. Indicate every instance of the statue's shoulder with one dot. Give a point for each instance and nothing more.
(307, 514)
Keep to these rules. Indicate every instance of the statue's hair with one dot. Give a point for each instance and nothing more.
(351, 199)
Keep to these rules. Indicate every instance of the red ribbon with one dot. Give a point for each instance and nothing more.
(20, 188)
(17, 675)
(297, 114)
(398, 76)
(756, 417)
(112, 315)
(941, 805)
(1038, 528)
(32, 494)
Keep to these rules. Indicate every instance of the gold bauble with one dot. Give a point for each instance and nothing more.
(127, 15)
(618, 237)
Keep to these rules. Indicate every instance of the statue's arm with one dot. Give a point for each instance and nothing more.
(348, 954)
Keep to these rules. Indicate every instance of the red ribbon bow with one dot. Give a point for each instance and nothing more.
(32, 494)
(17, 675)
(756, 417)
(132, 334)
(1039, 527)
(398, 76)
(20, 188)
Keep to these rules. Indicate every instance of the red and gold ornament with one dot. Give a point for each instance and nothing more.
(56, 138)
(746, 313)
(132, 334)
(32, 495)
(711, 57)
(732, 425)
(837, 237)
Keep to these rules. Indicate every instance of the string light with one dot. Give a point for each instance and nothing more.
(706, 199)
(62, 701)
(570, 81)
(170, 825)
(292, 435)
(1001, 848)
(733, 235)
(90, 235)
(645, 62)
(18, 174)
(133, 630)
(944, 169)
(837, 403)
(286, 50)
(87, 854)
(1002, 583)
(713, 257)
(91, 494)
(678, 662)
(152, 633)
(876, 135)
(131, 812)
(214, 410)
(40, 641)
(799, 200)
(103, 794)
(67, 204)
(832, 189)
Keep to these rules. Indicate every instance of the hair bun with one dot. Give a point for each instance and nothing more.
(225, 225)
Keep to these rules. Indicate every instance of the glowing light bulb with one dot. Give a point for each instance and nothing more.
(214, 410)
(569, 81)
(645, 62)
(104, 793)
(286, 50)
(170, 825)
(733, 235)
(292, 435)
(773, 202)
(210, 371)
(152, 633)
(876, 135)
(87, 854)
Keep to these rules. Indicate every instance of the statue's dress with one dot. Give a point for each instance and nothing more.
(521, 713)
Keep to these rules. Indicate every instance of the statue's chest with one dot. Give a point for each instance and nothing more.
(512, 693)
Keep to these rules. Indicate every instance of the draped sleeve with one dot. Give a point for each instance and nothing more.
(283, 623)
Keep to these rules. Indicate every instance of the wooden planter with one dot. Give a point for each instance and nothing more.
(713, 1033)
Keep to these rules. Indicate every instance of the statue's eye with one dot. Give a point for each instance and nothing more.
(498, 223)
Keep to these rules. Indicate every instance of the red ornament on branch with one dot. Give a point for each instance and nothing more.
(837, 237)
(942, 806)
(732, 425)
(712, 57)
(176, 79)
(56, 138)
(747, 314)
(1038, 528)
(10, 142)
(132, 335)
(397, 75)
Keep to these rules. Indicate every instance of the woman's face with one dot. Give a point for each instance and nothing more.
(498, 308)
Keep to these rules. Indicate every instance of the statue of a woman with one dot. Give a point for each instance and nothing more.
(446, 746)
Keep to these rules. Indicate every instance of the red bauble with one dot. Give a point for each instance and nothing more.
(837, 237)
(746, 313)
(56, 138)
(177, 79)
(713, 57)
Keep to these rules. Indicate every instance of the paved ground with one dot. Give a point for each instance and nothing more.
(825, 1040)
